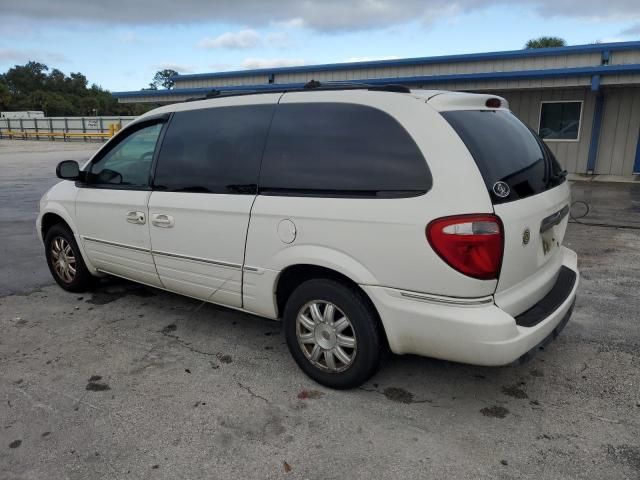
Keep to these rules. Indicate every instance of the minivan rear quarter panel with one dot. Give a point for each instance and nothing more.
(373, 241)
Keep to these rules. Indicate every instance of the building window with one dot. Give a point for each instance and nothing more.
(560, 120)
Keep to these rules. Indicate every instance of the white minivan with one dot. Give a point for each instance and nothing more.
(366, 218)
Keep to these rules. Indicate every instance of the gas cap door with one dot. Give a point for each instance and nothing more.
(287, 231)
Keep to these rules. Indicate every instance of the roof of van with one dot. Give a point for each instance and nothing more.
(440, 100)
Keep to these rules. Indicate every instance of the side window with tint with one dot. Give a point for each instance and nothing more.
(341, 149)
(129, 162)
(213, 150)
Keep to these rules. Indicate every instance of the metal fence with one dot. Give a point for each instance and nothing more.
(62, 128)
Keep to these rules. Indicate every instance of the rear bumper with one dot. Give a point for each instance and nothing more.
(474, 331)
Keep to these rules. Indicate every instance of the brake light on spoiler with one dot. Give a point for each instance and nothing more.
(471, 244)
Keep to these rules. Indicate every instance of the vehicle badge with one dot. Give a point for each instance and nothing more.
(501, 189)
(526, 236)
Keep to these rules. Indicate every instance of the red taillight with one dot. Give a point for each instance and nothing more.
(472, 244)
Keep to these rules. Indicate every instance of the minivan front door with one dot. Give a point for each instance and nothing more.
(204, 186)
(111, 207)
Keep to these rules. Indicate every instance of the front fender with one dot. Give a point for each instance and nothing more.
(65, 209)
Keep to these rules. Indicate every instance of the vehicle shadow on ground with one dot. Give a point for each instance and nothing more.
(405, 379)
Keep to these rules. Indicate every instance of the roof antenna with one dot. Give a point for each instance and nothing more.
(311, 84)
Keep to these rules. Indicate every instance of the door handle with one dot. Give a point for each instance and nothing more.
(136, 217)
(162, 220)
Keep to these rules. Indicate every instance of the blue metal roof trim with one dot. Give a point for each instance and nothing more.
(465, 57)
(455, 77)
(205, 90)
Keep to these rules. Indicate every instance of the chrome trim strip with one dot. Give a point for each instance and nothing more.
(114, 244)
(167, 254)
(197, 259)
(251, 269)
(448, 300)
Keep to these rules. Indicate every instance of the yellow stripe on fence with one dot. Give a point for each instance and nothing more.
(113, 129)
(25, 135)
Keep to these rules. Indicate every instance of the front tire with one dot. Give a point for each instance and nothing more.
(333, 333)
(65, 261)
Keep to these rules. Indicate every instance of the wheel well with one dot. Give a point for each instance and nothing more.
(49, 220)
(295, 275)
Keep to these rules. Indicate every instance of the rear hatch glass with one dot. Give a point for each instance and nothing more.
(513, 161)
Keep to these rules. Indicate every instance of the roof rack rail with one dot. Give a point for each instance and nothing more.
(390, 87)
(385, 87)
(310, 85)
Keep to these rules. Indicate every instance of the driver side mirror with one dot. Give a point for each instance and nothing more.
(68, 170)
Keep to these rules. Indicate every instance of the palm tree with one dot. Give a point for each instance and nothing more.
(546, 42)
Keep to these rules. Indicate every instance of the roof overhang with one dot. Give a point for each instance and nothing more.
(604, 48)
(589, 72)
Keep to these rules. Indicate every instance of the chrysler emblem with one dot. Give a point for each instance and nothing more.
(526, 236)
(501, 189)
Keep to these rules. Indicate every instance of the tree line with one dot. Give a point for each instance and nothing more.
(34, 86)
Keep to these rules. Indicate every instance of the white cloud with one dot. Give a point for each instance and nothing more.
(233, 40)
(631, 31)
(325, 15)
(278, 39)
(371, 59)
(610, 40)
(272, 62)
(218, 67)
(175, 66)
(20, 55)
(290, 23)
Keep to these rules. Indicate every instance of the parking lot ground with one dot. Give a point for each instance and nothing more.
(132, 382)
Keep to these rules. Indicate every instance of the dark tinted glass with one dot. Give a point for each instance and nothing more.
(337, 149)
(560, 120)
(504, 149)
(213, 150)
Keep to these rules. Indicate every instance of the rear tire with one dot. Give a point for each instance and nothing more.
(333, 333)
(65, 260)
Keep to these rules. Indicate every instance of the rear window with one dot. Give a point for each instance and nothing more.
(340, 149)
(505, 150)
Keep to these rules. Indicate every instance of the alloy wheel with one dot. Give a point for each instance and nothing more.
(63, 259)
(326, 336)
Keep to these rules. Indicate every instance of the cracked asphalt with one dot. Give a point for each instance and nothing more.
(132, 382)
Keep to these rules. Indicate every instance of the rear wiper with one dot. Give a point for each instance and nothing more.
(560, 175)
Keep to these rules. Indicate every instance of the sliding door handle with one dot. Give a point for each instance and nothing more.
(136, 217)
(162, 220)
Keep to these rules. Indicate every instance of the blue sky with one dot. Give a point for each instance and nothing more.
(123, 51)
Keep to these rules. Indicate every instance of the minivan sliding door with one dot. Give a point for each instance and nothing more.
(203, 189)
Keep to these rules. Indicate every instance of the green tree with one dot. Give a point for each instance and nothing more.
(30, 87)
(57, 105)
(546, 42)
(23, 79)
(5, 95)
(163, 79)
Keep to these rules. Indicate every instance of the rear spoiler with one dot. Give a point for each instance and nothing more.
(446, 101)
